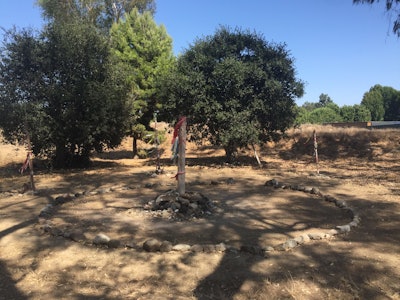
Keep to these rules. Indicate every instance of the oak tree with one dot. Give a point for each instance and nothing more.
(236, 88)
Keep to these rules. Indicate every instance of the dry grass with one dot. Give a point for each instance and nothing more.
(359, 166)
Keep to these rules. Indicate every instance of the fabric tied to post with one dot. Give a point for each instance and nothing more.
(26, 163)
(175, 138)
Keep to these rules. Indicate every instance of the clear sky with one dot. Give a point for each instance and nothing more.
(340, 49)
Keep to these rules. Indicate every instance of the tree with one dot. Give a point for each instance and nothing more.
(324, 115)
(101, 13)
(391, 100)
(383, 102)
(309, 106)
(71, 99)
(302, 115)
(236, 89)
(361, 113)
(392, 7)
(373, 100)
(324, 100)
(21, 86)
(347, 112)
(146, 51)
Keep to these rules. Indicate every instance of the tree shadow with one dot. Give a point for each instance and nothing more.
(8, 287)
(332, 267)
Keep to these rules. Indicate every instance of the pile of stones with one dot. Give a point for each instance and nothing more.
(182, 207)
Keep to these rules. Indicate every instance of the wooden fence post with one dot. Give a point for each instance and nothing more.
(316, 150)
(181, 158)
(30, 163)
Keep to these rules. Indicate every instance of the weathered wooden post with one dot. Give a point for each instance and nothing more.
(182, 157)
(157, 141)
(28, 161)
(316, 150)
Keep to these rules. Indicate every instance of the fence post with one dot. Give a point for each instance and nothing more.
(316, 150)
(181, 158)
(30, 163)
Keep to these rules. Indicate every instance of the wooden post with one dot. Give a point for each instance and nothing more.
(316, 150)
(157, 141)
(30, 163)
(181, 158)
(256, 155)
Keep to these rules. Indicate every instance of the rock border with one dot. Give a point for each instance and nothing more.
(155, 245)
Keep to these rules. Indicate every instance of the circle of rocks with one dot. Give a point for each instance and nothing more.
(155, 245)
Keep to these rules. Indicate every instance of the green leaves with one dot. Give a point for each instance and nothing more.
(145, 50)
(70, 99)
(100, 13)
(236, 89)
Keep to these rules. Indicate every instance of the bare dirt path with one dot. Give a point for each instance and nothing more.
(362, 264)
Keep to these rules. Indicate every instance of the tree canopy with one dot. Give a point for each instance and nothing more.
(145, 50)
(70, 99)
(101, 13)
(236, 89)
(392, 7)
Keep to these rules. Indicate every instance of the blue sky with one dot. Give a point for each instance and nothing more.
(340, 49)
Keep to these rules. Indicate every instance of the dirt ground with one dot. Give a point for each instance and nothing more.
(359, 167)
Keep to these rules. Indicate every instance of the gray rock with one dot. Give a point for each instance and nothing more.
(268, 249)
(305, 237)
(290, 244)
(281, 247)
(329, 198)
(316, 236)
(197, 248)
(209, 248)
(131, 245)
(301, 188)
(113, 243)
(221, 247)
(46, 211)
(316, 191)
(353, 224)
(230, 181)
(181, 247)
(152, 245)
(47, 228)
(76, 236)
(166, 246)
(101, 239)
(340, 204)
(56, 231)
(333, 232)
(272, 182)
(307, 189)
(344, 228)
(300, 239)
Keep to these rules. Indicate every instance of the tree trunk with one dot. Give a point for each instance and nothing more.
(60, 157)
(230, 153)
(134, 146)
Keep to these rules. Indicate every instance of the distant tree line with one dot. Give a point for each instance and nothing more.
(380, 103)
